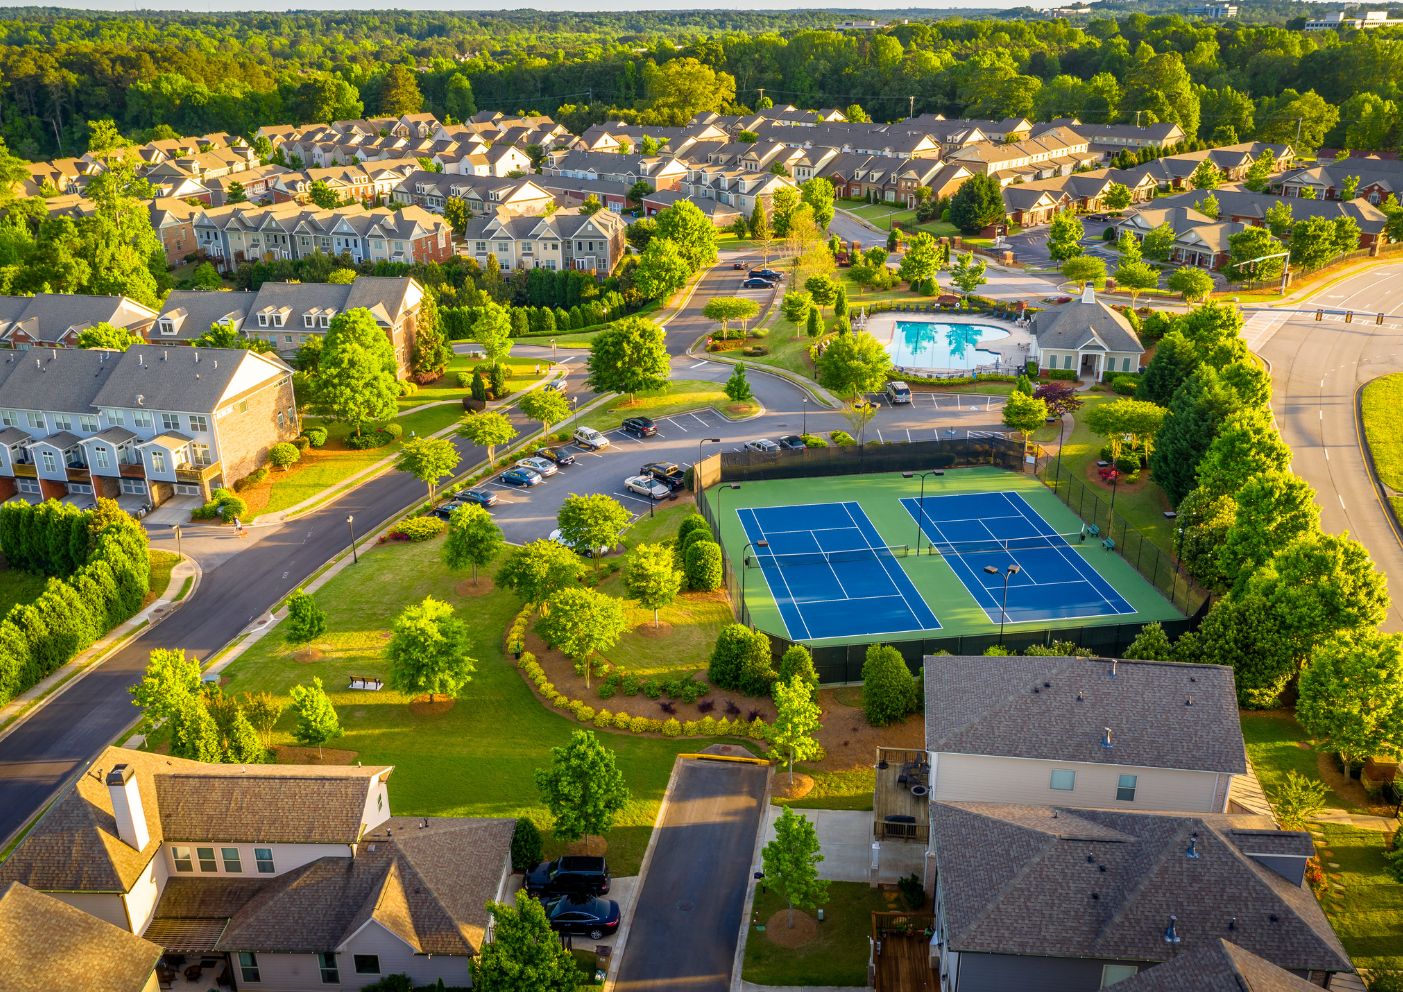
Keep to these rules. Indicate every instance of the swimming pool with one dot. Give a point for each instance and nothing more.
(942, 347)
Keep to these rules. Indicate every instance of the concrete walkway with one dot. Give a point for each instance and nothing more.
(745, 986)
(845, 838)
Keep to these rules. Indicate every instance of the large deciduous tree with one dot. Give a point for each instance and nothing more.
(791, 861)
(355, 378)
(691, 231)
(524, 954)
(651, 576)
(428, 651)
(473, 540)
(583, 787)
(920, 264)
(630, 357)
(1064, 236)
(428, 459)
(592, 523)
(854, 364)
(977, 204)
(1351, 695)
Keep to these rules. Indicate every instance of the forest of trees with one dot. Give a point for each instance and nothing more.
(156, 74)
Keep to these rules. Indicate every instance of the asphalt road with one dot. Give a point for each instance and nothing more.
(687, 915)
(1317, 370)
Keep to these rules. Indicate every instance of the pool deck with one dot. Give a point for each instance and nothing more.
(1015, 348)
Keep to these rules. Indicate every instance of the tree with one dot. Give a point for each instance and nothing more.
(1259, 173)
(1064, 236)
(355, 379)
(206, 277)
(473, 540)
(1120, 419)
(1301, 120)
(493, 331)
(457, 213)
(1161, 86)
(1247, 444)
(431, 350)
(171, 678)
(305, 619)
(791, 861)
(323, 195)
(1117, 196)
(1351, 695)
(428, 650)
(1024, 414)
(399, 92)
(283, 455)
(818, 194)
(428, 459)
(226, 335)
(741, 658)
(1174, 361)
(1206, 175)
(823, 290)
(1274, 508)
(977, 204)
(525, 954)
(1136, 278)
(724, 309)
(1158, 243)
(583, 788)
(661, 271)
(193, 732)
(1084, 269)
(1209, 207)
(316, 717)
(813, 323)
(968, 273)
(1298, 801)
(104, 335)
(795, 306)
(487, 429)
(888, 687)
(262, 710)
(737, 388)
(536, 570)
(920, 264)
(629, 357)
(1249, 244)
(1151, 644)
(1061, 397)
(651, 577)
(690, 231)
(1193, 284)
(592, 522)
(760, 229)
(458, 99)
(796, 722)
(1196, 411)
(797, 662)
(854, 364)
(636, 193)
(545, 406)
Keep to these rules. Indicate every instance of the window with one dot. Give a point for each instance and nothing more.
(1066, 361)
(181, 857)
(132, 487)
(1112, 973)
(29, 487)
(87, 422)
(263, 857)
(206, 856)
(100, 456)
(63, 422)
(367, 964)
(7, 417)
(1063, 781)
(36, 420)
(166, 326)
(307, 320)
(262, 320)
(115, 417)
(47, 459)
(158, 460)
(170, 422)
(331, 975)
(248, 967)
(199, 422)
(232, 863)
(141, 419)
(199, 454)
(1125, 788)
(379, 802)
(324, 321)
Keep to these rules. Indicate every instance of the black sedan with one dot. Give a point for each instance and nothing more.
(770, 274)
(587, 916)
(640, 426)
(559, 456)
(478, 497)
(755, 282)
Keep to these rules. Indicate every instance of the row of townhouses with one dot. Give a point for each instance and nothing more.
(564, 239)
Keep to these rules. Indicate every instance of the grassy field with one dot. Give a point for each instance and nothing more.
(18, 587)
(932, 576)
(523, 376)
(837, 956)
(1383, 430)
(883, 215)
(677, 396)
(478, 757)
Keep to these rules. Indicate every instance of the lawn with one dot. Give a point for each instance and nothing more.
(836, 957)
(678, 396)
(19, 587)
(161, 564)
(477, 758)
(523, 376)
(1383, 430)
(883, 215)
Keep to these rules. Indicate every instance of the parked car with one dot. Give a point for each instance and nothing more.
(588, 437)
(792, 442)
(541, 466)
(771, 274)
(646, 485)
(897, 392)
(584, 915)
(479, 497)
(668, 473)
(763, 445)
(755, 282)
(559, 538)
(523, 477)
(556, 385)
(738, 265)
(577, 874)
(640, 426)
(445, 510)
(559, 456)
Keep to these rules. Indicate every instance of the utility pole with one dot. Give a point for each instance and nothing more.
(762, 97)
(911, 100)
(1299, 122)
(1137, 117)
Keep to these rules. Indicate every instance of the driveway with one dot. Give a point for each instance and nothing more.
(688, 911)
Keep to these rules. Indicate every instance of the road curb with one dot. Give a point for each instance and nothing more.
(1367, 454)
(749, 906)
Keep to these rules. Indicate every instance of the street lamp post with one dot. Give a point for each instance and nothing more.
(552, 350)
(176, 528)
(744, 571)
(574, 410)
(705, 440)
(719, 490)
(805, 428)
(1007, 573)
(1061, 426)
(351, 526)
(1115, 480)
(921, 502)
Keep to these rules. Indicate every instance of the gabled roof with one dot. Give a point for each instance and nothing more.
(47, 317)
(1058, 708)
(46, 944)
(1079, 323)
(1103, 885)
(1216, 966)
(189, 379)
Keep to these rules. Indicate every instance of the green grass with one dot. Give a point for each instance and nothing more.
(478, 758)
(161, 564)
(19, 587)
(523, 377)
(1383, 428)
(850, 788)
(836, 957)
(883, 215)
(677, 396)
(1277, 745)
(932, 576)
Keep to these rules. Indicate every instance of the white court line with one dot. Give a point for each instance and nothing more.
(1078, 563)
(896, 585)
(787, 591)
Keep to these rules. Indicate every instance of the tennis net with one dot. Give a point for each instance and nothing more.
(1011, 545)
(761, 557)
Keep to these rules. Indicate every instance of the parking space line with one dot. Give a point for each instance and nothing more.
(676, 424)
(699, 420)
(637, 499)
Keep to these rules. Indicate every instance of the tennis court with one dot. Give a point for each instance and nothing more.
(999, 530)
(830, 572)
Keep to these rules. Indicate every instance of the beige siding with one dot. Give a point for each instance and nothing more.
(978, 778)
(103, 905)
(397, 958)
(285, 858)
(141, 900)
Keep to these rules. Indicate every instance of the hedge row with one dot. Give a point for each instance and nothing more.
(102, 557)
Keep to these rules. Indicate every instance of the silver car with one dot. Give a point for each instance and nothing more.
(764, 445)
(541, 466)
(645, 485)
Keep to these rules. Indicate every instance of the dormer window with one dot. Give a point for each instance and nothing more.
(262, 320)
(278, 319)
(166, 326)
(324, 321)
(307, 320)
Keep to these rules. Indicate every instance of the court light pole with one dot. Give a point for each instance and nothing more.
(351, 526)
(805, 428)
(705, 440)
(745, 571)
(1007, 573)
(719, 490)
(921, 502)
(1115, 481)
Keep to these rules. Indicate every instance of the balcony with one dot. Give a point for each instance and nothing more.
(195, 474)
(25, 470)
(901, 802)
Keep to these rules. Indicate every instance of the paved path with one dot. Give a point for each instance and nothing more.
(688, 914)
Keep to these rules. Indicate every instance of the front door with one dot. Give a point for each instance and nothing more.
(1091, 366)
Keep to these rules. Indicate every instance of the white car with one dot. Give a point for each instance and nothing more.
(588, 437)
(541, 466)
(764, 445)
(559, 538)
(647, 486)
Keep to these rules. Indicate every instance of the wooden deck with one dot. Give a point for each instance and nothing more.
(899, 770)
(901, 953)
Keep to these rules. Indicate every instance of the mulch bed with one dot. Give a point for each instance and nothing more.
(307, 655)
(803, 784)
(423, 707)
(288, 754)
(594, 846)
(646, 629)
(849, 741)
(468, 589)
(778, 931)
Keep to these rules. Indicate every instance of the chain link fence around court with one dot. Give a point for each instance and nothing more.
(843, 662)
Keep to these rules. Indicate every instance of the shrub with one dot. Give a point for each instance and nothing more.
(813, 441)
(396, 431)
(1125, 385)
(888, 687)
(671, 728)
(758, 730)
(723, 727)
(316, 436)
(408, 387)
(603, 719)
(464, 380)
(755, 351)
(913, 892)
(610, 685)
(301, 442)
(583, 711)
(842, 439)
(702, 567)
(526, 845)
(653, 689)
(284, 455)
(252, 479)
(418, 529)
(639, 724)
(366, 440)
(622, 721)
(741, 660)
(692, 522)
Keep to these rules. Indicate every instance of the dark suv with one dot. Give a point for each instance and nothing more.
(640, 426)
(569, 875)
(667, 473)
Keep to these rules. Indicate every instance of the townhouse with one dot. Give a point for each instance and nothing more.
(1374, 180)
(232, 235)
(148, 423)
(1173, 172)
(286, 314)
(277, 877)
(721, 215)
(890, 180)
(365, 183)
(56, 319)
(1108, 139)
(1056, 152)
(565, 239)
(887, 140)
(739, 189)
(1032, 203)
(481, 194)
(570, 192)
(659, 171)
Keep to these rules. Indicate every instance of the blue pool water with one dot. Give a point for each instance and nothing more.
(942, 347)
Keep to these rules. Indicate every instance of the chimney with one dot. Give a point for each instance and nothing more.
(1088, 295)
(126, 806)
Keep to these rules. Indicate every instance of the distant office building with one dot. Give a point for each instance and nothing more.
(1214, 11)
(1337, 20)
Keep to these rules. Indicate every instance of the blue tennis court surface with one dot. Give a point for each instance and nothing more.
(831, 574)
(972, 530)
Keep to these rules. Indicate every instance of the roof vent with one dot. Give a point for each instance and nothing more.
(1189, 701)
(1106, 741)
(1081, 698)
(1113, 668)
(1273, 917)
(1191, 852)
(1036, 690)
(1095, 897)
(1171, 934)
(1232, 922)
(1091, 859)
(140, 399)
(164, 354)
(1047, 685)
(197, 357)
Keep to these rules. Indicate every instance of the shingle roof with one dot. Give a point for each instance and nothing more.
(66, 379)
(1079, 323)
(46, 944)
(48, 316)
(1101, 884)
(1216, 966)
(192, 312)
(177, 378)
(1005, 706)
(266, 805)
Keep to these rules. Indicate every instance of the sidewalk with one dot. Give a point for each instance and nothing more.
(19, 708)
